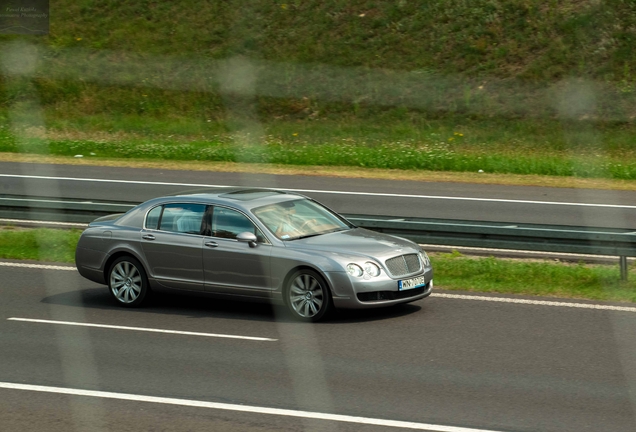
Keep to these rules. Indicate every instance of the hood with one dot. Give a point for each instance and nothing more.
(358, 241)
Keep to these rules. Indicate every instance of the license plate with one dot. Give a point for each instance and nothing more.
(416, 282)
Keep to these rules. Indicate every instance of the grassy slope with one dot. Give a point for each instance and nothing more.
(529, 40)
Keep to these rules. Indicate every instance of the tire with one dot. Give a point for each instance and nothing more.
(127, 282)
(307, 296)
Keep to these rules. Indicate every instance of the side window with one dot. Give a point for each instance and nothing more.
(227, 223)
(152, 219)
(182, 218)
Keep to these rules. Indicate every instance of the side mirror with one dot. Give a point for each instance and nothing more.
(248, 237)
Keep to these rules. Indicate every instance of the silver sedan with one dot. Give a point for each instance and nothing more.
(258, 244)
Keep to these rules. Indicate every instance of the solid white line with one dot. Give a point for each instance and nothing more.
(241, 408)
(36, 222)
(332, 192)
(535, 302)
(143, 329)
(37, 266)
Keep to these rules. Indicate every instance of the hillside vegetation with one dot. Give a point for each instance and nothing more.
(527, 39)
(543, 87)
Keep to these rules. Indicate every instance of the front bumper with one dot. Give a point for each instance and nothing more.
(357, 293)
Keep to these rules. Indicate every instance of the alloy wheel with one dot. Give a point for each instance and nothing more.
(127, 282)
(308, 296)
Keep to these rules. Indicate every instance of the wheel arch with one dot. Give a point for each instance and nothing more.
(292, 271)
(117, 254)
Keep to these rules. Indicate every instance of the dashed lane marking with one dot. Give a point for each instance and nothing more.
(143, 329)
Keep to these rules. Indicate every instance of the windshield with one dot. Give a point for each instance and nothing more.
(301, 218)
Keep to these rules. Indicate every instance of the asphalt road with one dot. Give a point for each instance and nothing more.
(514, 204)
(439, 361)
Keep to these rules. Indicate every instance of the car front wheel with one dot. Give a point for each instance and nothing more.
(308, 296)
(127, 282)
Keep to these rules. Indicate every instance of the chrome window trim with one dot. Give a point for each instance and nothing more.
(207, 204)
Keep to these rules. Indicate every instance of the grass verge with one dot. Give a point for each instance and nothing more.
(39, 244)
(541, 278)
(336, 171)
(452, 271)
(520, 147)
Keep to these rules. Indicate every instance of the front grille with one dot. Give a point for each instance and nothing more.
(391, 295)
(403, 265)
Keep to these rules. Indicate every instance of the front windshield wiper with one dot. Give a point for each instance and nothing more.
(306, 236)
(320, 233)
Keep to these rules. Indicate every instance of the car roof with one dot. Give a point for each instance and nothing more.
(245, 198)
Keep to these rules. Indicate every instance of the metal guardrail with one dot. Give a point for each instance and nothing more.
(546, 238)
(57, 210)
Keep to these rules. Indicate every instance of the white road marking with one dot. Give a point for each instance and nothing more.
(332, 192)
(241, 408)
(143, 329)
(36, 222)
(37, 266)
(536, 302)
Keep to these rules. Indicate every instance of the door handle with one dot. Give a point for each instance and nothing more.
(148, 237)
(211, 244)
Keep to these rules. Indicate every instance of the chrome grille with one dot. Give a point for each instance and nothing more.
(403, 265)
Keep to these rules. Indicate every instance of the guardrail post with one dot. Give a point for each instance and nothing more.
(623, 265)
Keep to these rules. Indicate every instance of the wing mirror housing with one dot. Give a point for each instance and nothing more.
(247, 237)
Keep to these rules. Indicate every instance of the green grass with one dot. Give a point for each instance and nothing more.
(544, 278)
(452, 271)
(453, 144)
(534, 39)
(38, 244)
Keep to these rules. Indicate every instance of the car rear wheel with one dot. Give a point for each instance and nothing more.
(308, 296)
(127, 282)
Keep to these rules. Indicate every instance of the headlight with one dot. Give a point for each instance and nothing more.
(371, 269)
(354, 270)
(425, 259)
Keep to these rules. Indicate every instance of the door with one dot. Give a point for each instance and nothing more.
(234, 267)
(172, 242)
